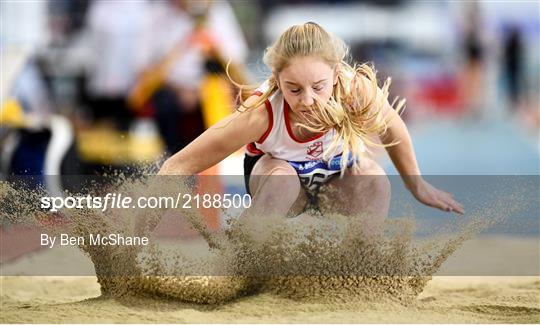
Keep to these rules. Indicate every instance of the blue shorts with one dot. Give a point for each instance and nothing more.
(312, 174)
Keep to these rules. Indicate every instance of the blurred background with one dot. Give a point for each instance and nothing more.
(89, 86)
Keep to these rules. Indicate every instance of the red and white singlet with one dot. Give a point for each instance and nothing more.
(280, 142)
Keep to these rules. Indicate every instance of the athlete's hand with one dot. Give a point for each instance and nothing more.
(433, 197)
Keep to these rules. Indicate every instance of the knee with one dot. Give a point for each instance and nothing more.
(375, 179)
(375, 187)
(285, 182)
(280, 183)
(380, 186)
(370, 167)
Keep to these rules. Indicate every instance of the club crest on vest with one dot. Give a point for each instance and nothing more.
(315, 150)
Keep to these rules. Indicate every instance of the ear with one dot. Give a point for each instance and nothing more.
(336, 75)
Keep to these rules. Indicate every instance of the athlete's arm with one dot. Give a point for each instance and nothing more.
(404, 159)
(402, 154)
(218, 142)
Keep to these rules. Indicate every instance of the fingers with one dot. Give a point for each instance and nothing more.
(446, 202)
(441, 200)
(451, 205)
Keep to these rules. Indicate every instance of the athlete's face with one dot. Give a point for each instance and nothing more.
(303, 80)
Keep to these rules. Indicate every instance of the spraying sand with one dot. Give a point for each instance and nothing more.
(313, 270)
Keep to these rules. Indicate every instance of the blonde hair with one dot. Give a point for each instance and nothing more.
(355, 109)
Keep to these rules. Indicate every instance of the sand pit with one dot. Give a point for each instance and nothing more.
(445, 299)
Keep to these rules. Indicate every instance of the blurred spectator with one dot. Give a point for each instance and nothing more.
(32, 94)
(114, 29)
(512, 65)
(474, 67)
(30, 111)
(66, 18)
(167, 44)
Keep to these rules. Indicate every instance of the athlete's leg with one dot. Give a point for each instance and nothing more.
(276, 192)
(275, 188)
(364, 193)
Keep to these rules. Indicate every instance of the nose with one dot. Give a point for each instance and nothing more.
(307, 99)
